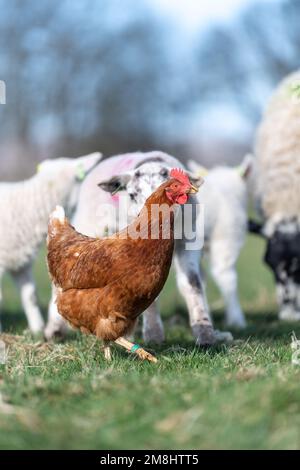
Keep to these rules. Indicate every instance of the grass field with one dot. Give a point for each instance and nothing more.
(242, 396)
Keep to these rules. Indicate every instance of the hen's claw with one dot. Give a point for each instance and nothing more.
(145, 355)
(135, 348)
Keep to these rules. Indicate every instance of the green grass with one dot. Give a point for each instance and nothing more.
(242, 396)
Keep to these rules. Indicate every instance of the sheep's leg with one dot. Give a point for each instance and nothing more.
(226, 280)
(56, 325)
(288, 300)
(135, 348)
(153, 329)
(25, 283)
(187, 265)
(223, 269)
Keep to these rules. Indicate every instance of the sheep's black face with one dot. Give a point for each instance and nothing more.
(283, 257)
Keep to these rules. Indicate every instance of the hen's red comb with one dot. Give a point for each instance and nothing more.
(179, 175)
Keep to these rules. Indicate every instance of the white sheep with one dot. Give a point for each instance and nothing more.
(24, 210)
(224, 196)
(277, 191)
(277, 152)
(139, 174)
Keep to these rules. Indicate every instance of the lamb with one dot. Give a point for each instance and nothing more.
(24, 211)
(277, 193)
(139, 174)
(224, 196)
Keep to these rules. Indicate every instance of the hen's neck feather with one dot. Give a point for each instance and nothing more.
(150, 220)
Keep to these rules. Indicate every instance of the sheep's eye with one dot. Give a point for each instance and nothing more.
(163, 172)
(138, 174)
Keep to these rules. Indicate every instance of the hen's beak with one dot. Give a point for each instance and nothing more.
(192, 189)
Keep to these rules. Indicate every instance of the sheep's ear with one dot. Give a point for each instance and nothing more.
(85, 164)
(195, 178)
(88, 162)
(246, 166)
(256, 228)
(115, 184)
(197, 169)
(192, 165)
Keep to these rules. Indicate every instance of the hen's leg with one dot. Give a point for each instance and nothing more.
(107, 351)
(25, 282)
(135, 348)
(153, 329)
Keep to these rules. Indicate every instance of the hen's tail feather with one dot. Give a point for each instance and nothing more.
(58, 214)
(57, 219)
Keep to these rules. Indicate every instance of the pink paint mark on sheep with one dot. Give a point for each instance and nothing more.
(115, 199)
(123, 164)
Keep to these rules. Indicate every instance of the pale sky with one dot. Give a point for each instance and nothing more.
(190, 17)
(194, 14)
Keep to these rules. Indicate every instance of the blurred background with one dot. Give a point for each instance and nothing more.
(184, 76)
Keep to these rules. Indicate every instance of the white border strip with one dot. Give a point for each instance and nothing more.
(2, 92)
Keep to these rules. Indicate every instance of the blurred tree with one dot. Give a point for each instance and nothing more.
(245, 59)
(107, 75)
(83, 75)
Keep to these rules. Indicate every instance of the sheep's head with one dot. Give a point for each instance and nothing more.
(63, 175)
(70, 168)
(141, 182)
(282, 255)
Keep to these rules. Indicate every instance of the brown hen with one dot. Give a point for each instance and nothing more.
(103, 285)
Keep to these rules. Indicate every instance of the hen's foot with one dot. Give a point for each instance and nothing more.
(144, 354)
(135, 348)
(107, 352)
